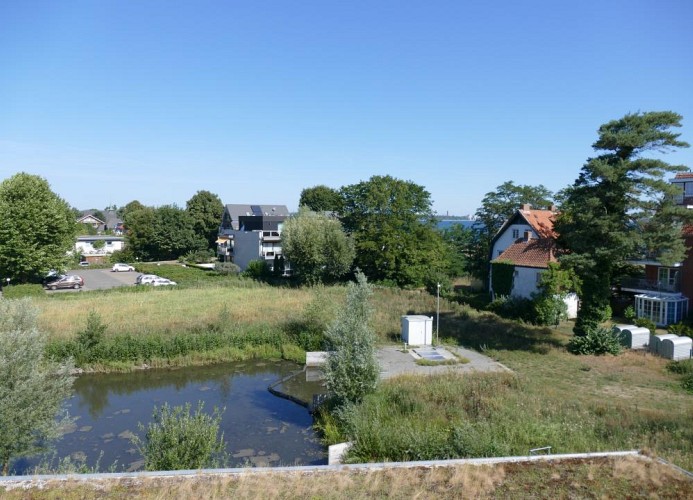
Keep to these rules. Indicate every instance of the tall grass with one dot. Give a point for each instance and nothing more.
(482, 415)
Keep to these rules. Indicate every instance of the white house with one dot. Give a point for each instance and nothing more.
(527, 241)
(94, 248)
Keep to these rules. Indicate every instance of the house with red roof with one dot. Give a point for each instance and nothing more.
(527, 241)
(662, 293)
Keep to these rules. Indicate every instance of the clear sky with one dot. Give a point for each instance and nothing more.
(116, 100)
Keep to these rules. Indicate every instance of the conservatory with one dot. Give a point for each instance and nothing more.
(662, 309)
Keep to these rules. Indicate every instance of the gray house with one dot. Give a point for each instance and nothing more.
(251, 232)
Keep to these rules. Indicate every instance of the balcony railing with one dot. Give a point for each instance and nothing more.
(649, 285)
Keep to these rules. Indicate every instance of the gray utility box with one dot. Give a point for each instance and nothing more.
(417, 330)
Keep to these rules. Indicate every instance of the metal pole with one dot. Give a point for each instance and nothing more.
(437, 311)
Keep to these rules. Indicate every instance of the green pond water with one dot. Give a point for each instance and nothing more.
(260, 428)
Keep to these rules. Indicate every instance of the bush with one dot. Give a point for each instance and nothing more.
(680, 329)
(177, 440)
(550, 310)
(258, 270)
(596, 341)
(19, 291)
(513, 307)
(227, 269)
(446, 289)
(629, 313)
(89, 338)
(646, 323)
(198, 256)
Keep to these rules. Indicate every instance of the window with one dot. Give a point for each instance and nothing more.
(668, 278)
(516, 234)
(688, 188)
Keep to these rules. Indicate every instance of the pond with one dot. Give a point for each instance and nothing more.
(260, 428)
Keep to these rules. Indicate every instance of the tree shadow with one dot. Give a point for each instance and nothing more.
(482, 331)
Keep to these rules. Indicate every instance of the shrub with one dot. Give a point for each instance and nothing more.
(177, 440)
(680, 329)
(629, 313)
(258, 270)
(198, 256)
(227, 268)
(89, 338)
(352, 368)
(19, 291)
(513, 307)
(550, 310)
(596, 341)
(446, 288)
(646, 323)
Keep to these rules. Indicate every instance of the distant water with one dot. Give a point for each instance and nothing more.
(447, 224)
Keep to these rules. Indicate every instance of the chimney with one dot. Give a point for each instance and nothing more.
(526, 206)
(528, 235)
(553, 208)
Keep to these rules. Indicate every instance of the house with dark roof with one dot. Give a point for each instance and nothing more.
(527, 241)
(251, 232)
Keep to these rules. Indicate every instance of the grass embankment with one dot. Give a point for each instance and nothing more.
(571, 403)
(595, 478)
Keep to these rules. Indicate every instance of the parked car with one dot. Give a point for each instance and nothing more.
(84, 263)
(120, 267)
(71, 281)
(162, 282)
(146, 279)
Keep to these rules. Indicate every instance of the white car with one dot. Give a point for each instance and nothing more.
(146, 279)
(162, 282)
(121, 267)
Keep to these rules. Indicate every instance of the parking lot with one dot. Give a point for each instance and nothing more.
(101, 279)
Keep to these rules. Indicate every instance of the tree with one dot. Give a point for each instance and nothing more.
(459, 240)
(616, 207)
(32, 389)
(161, 233)
(317, 247)
(394, 231)
(554, 285)
(321, 199)
(37, 229)
(206, 210)
(133, 206)
(352, 370)
(177, 440)
(497, 207)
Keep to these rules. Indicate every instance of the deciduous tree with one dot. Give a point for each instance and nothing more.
(321, 199)
(206, 210)
(317, 247)
(352, 369)
(32, 389)
(616, 207)
(37, 229)
(394, 231)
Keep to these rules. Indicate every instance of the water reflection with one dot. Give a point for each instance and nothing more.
(260, 428)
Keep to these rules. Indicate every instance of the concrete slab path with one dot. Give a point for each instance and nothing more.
(394, 361)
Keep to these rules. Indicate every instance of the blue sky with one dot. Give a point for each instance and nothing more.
(112, 101)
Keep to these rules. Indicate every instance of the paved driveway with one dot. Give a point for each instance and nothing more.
(101, 279)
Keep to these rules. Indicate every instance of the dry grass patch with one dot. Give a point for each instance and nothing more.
(595, 478)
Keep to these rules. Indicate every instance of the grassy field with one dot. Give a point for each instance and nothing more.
(556, 399)
(574, 479)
